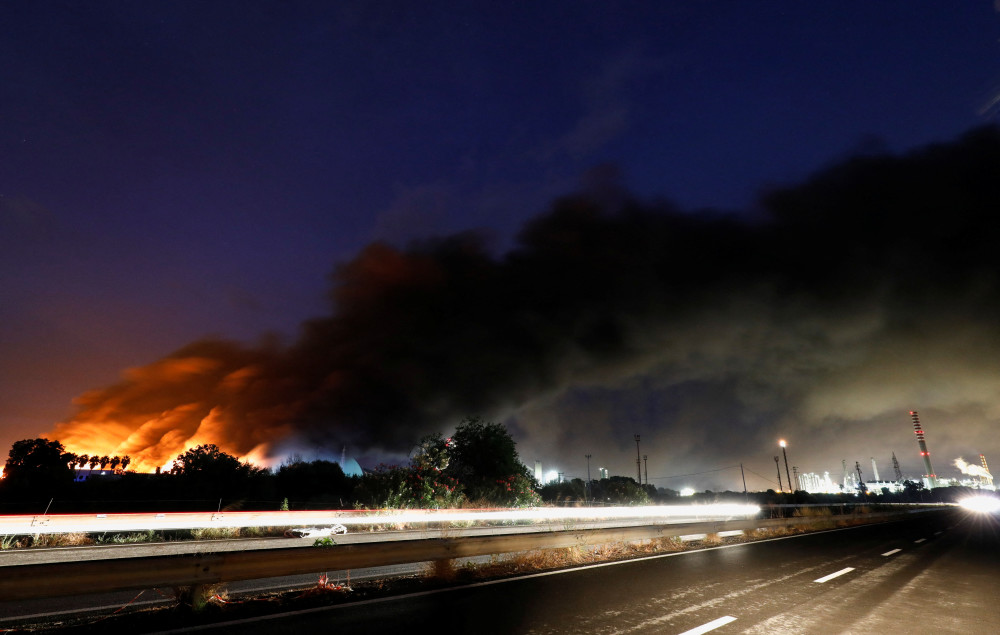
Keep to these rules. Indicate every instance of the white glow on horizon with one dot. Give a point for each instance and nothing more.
(982, 504)
(687, 491)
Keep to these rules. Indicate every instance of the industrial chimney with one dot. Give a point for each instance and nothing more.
(930, 476)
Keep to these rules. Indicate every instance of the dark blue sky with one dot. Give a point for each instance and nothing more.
(171, 170)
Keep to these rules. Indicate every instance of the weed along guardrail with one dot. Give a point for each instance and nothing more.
(31, 581)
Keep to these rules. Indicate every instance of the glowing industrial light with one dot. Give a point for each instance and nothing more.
(551, 476)
(782, 443)
(687, 491)
(982, 504)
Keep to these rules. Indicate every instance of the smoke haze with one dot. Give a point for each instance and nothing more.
(823, 316)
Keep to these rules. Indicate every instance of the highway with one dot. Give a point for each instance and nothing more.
(14, 611)
(933, 573)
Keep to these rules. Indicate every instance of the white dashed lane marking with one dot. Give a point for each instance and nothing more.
(711, 626)
(835, 574)
(889, 553)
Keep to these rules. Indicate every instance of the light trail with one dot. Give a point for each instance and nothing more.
(89, 523)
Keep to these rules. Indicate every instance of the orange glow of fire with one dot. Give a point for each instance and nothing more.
(159, 411)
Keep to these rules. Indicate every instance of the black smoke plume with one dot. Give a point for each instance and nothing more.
(837, 302)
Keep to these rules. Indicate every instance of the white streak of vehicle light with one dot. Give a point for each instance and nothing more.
(63, 523)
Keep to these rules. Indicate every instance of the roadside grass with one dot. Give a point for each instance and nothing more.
(504, 565)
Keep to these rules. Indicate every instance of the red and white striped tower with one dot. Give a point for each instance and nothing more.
(930, 475)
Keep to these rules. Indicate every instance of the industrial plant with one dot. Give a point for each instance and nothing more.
(852, 481)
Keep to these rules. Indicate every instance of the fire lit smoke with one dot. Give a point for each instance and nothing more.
(972, 469)
(839, 299)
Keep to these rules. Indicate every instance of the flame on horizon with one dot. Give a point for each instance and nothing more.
(162, 410)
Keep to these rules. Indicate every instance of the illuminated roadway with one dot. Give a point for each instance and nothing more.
(934, 573)
(12, 612)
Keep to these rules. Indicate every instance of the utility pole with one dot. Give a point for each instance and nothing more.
(778, 469)
(586, 490)
(745, 495)
(638, 464)
(645, 467)
(795, 473)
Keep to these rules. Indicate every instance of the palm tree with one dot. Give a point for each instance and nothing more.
(71, 459)
(125, 461)
(82, 460)
(115, 462)
(104, 460)
(94, 462)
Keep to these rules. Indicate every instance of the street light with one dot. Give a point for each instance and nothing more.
(787, 474)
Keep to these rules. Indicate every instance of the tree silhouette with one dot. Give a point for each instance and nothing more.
(82, 460)
(211, 472)
(125, 461)
(483, 459)
(104, 460)
(38, 463)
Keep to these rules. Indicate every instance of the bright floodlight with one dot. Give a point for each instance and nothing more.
(982, 504)
(781, 443)
(687, 491)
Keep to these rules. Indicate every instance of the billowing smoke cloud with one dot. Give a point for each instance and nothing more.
(831, 310)
(972, 469)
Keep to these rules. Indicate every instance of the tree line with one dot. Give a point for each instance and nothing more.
(477, 466)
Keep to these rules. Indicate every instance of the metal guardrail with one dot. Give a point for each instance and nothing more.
(21, 582)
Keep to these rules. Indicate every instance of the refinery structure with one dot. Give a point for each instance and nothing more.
(852, 481)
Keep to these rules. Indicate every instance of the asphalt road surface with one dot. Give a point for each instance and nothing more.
(14, 612)
(934, 573)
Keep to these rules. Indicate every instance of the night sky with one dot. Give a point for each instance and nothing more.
(300, 227)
